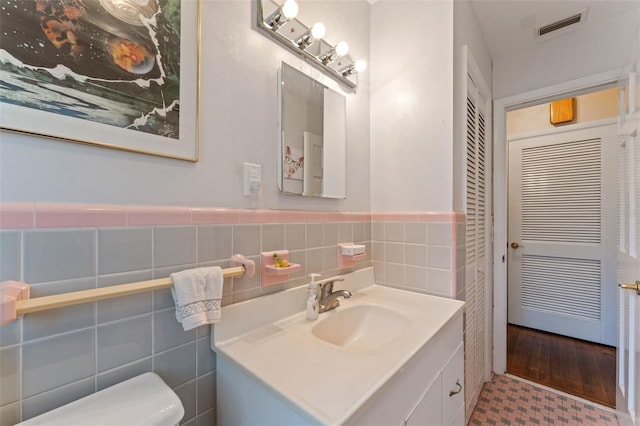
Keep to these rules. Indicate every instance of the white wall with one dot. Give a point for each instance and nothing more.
(411, 105)
(596, 48)
(466, 31)
(238, 123)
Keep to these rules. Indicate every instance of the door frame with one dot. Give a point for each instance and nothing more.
(500, 207)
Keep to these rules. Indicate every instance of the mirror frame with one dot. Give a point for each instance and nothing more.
(334, 184)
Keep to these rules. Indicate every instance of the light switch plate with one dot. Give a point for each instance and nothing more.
(252, 179)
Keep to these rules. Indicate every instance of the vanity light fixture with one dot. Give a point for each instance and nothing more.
(282, 15)
(280, 23)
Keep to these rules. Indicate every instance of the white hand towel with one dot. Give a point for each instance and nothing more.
(197, 294)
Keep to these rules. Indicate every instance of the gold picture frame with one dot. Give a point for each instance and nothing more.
(123, 78)
(562, 111)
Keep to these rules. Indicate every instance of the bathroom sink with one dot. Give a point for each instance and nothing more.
(361, 328)
(348, 355)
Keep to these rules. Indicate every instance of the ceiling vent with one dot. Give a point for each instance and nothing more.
(555, 28)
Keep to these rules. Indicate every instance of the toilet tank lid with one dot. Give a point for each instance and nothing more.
(144, 400)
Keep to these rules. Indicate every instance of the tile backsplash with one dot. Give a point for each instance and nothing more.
(419, 252)
(50, 358)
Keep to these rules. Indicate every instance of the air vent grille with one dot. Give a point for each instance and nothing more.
(578, 18)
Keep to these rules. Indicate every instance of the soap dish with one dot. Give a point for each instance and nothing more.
(349, 253)
(352, 249)
(293, 267)
(270, 273)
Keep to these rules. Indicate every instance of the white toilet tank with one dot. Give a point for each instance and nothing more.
(144, 400)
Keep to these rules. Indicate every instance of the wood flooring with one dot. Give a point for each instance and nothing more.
(577, 367)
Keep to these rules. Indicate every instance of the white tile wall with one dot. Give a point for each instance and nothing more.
(413, 255)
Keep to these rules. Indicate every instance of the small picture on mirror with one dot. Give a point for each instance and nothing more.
(293, 163)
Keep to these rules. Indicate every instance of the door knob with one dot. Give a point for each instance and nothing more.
(515, 245)
(635, 287)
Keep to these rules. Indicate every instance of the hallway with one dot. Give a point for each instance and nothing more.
(507, 400)
(577, 367)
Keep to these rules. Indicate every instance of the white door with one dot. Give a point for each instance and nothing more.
(334, 134)
(628, 376)
(313, 150)
(628, 389)
(561, 254)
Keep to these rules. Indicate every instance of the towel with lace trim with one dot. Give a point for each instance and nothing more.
(197, 294)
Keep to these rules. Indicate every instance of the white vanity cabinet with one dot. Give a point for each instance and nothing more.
(384, 357)
(425, 391)
(429, 408)
(443, 402)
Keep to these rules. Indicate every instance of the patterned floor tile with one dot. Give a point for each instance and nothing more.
(509, 401)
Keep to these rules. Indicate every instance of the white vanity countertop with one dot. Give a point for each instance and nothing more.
(327, 382)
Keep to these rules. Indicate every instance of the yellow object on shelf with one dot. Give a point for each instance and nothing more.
(279, 262)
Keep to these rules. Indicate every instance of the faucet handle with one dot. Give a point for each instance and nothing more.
(326, 288)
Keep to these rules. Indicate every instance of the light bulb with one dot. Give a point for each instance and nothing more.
(354, 68)
(318, 30)
(360, 65)
(342, 48)
(290, 9)
(311, 36)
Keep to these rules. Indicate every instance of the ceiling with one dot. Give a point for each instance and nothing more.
(509, 25)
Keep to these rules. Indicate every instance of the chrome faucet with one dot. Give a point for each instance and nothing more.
(328, 298)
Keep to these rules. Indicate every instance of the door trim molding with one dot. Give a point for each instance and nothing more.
(500, 108)
(563, 129)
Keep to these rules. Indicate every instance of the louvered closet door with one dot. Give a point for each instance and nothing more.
(561, 265)
(476, 241)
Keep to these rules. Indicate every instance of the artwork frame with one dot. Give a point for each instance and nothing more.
(156, 114)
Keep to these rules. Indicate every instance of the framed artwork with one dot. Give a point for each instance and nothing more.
(562, 111)
(120, 74)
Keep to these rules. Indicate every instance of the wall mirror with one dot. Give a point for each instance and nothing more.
(312, 129)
